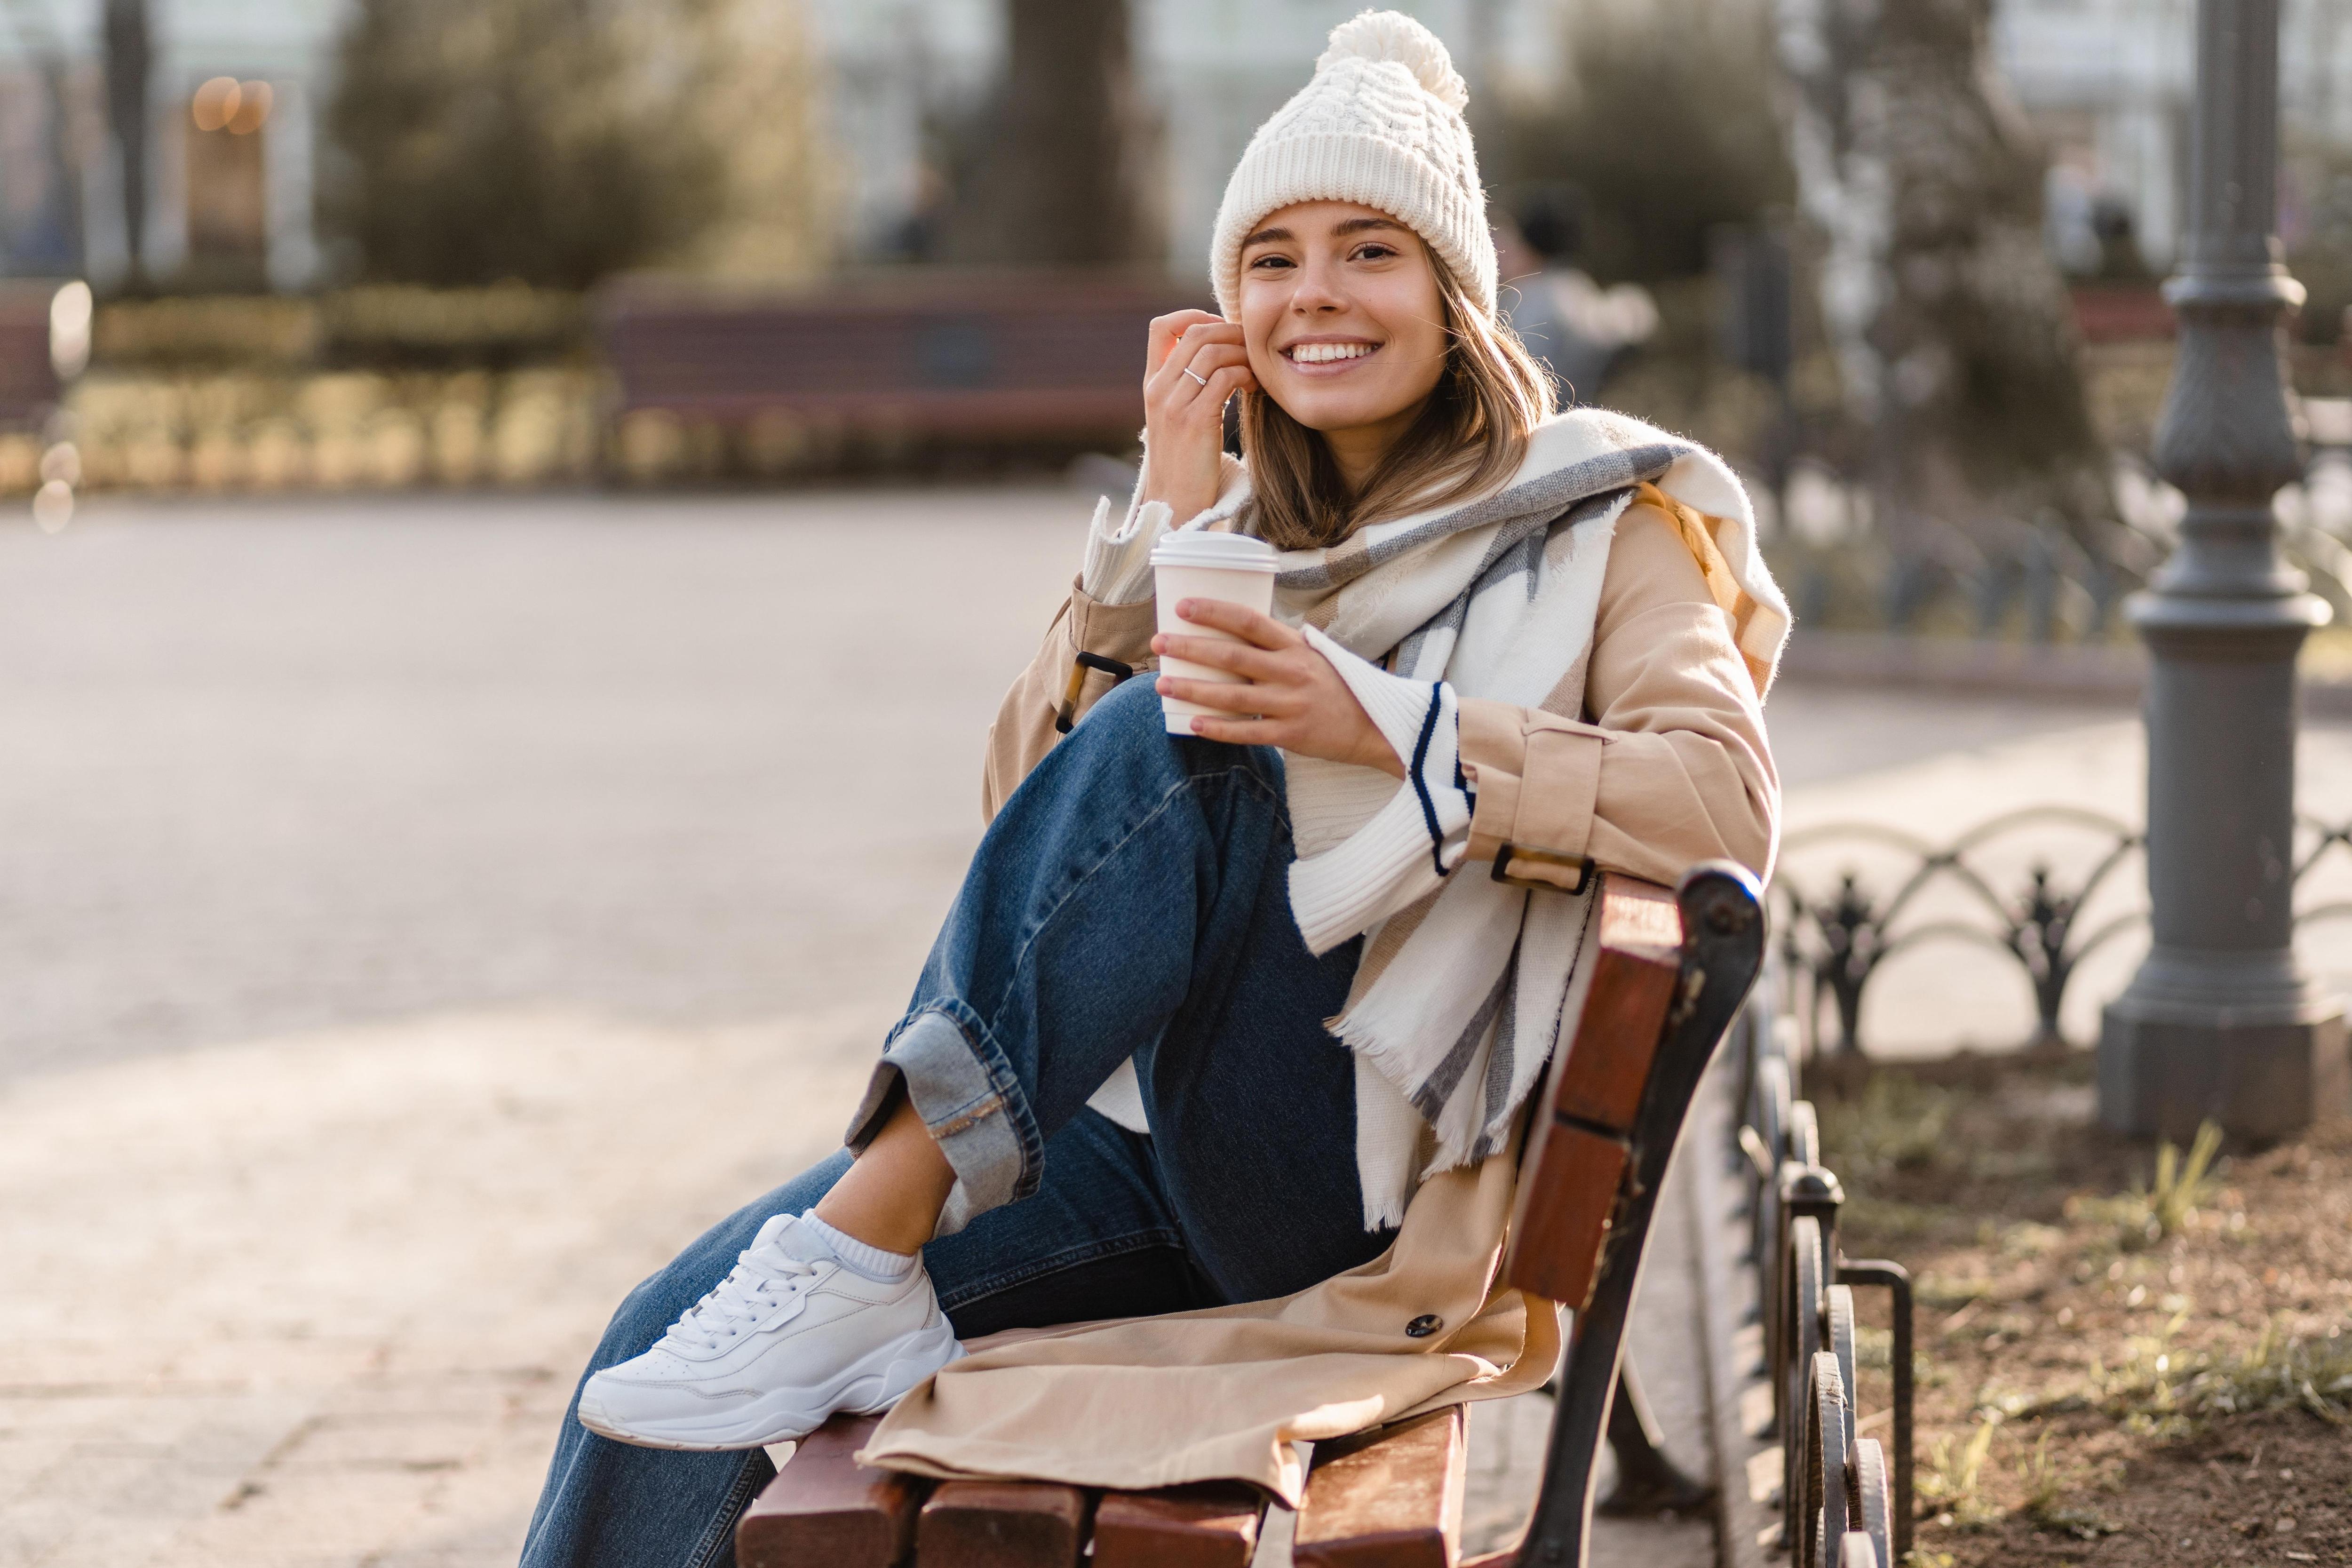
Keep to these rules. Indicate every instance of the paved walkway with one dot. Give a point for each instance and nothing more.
(417, 919)
(318, 1300)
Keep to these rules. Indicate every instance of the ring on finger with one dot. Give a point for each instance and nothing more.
(1195, 374)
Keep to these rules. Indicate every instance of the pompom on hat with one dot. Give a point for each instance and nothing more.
(1380, 124)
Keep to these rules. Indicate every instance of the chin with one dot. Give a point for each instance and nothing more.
(1317, 409)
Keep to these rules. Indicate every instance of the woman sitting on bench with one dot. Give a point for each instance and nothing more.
(1211, 1009)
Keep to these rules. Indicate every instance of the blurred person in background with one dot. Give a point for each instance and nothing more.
(1223, 1047)
(1576, 329)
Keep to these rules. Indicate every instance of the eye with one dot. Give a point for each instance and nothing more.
(1373, 250)
(1269, 263)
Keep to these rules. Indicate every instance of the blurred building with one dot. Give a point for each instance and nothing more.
(2109, 84)
(908, 70)
(229, 197)
(238, 196)
(228, 175)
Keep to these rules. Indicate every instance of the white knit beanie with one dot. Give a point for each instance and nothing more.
(1380, 124)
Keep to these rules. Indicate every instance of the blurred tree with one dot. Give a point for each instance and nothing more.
(559, 141)
(41, 221)
(128, 56)
(1063, 175)
(745, 82)
(1666, 129)
(1953, 331)
(2318, 197)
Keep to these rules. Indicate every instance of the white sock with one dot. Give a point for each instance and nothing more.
(859, 1256)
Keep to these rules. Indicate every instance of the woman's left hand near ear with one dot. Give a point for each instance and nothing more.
(1293, 697)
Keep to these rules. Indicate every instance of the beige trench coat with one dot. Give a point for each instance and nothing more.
(1673, 768)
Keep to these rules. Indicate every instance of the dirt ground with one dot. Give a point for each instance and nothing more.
(2123, 1358)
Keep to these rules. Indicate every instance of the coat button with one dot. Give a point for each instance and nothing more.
(1420, 1328)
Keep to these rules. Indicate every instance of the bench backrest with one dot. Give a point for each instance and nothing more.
(28, 381)
(1005, 356)
(1670, 974)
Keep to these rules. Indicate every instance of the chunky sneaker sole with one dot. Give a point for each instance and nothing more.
(875, 1382)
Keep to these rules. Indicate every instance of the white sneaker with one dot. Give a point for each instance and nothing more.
(787, 1339)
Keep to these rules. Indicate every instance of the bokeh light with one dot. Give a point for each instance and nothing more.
(53, 506)
(217, 102)
(253, 101)
(69, 318)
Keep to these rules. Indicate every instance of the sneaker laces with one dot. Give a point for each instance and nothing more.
(752, 1291)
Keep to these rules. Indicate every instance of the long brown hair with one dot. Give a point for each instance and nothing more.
(1471, 433)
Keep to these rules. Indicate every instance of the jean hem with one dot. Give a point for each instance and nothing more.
(972, 1104)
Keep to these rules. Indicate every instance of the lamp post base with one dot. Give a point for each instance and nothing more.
(2168, 1061)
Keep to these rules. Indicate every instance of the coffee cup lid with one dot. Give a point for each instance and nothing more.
(1198, 547)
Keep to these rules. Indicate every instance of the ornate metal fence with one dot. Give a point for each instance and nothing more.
(1835, 938)
(1835, 1483)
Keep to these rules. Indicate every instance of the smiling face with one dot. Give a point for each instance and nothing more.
(1343, 322)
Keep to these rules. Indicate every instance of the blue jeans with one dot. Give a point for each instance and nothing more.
(1130, 900)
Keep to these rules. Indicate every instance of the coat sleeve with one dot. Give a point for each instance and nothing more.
(1667, 766)
(1025, 723)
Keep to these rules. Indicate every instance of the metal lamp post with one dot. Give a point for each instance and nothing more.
(2222, 1021)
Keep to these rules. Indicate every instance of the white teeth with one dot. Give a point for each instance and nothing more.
(1324, 354)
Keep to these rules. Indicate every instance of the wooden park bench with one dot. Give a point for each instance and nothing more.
(29, 387)
(1041, 358)
(1671, 973)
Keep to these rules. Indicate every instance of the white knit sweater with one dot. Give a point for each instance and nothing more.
(1363, 846)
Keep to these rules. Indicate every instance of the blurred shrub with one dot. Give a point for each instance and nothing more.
(557, 141)
(379, 326)
(254, 430)
(1666, 128)
(20, 464)
(218, 330)
(506, 324)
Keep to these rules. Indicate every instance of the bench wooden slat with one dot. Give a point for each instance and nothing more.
(1567, 1190)
(1002, 1524)
(1640, 930)
(1211, 1525)
(1560, 1234)
(1386, 1498)
(824, 1510)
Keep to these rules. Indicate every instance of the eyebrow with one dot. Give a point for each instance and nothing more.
(1347, 226)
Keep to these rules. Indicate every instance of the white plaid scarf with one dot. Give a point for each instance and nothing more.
(1458, 997)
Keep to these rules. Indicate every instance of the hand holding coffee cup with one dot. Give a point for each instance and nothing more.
(1230, 671)
(1193, 564)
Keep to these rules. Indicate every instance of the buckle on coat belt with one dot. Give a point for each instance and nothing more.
(1581, 864)
(1068, 715)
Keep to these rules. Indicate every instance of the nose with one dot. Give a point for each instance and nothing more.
(1318, 291)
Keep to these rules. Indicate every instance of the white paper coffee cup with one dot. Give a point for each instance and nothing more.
(1193, 564)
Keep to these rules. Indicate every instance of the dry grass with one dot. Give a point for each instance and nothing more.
(2126, 1356)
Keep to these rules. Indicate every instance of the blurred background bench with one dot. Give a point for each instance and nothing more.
(29, 385)
(1044, 362)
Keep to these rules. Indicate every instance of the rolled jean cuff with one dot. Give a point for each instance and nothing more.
(971, 1103)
